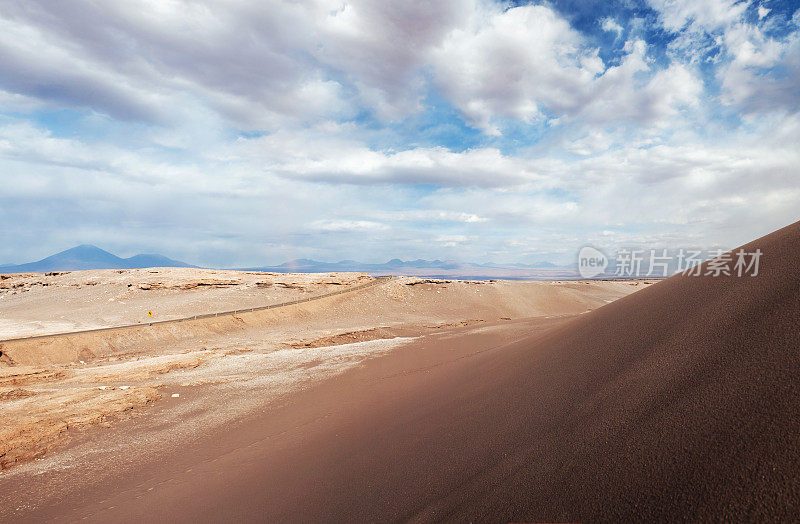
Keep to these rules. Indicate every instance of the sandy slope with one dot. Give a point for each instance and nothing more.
(678, 402)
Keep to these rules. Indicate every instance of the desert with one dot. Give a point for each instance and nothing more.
(421, 399)
(60, 377)
(399, 261)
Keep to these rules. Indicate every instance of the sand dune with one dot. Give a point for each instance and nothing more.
(678, 402)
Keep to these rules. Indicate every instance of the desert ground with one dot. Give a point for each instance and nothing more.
(407, 399)
(41, 304)
(64, 389)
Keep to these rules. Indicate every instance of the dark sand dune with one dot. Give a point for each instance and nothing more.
(681, 401)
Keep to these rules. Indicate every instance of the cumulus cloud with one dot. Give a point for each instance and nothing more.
(620, 95)
(382, 47)
(609, 24)
(698, 15)
(338, 158)
(436, 215)
(528, 63)
(256, 63)
(233, 210)
(249, 62)
(248, 133)
(348, 225)
(758, 72)
(515, 63)
(762, 73)
(264, 65)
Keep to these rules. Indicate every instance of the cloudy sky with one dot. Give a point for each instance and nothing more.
(236, 133)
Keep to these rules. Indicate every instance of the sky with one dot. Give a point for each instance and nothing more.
(240, 133)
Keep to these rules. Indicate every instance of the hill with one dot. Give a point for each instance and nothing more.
(91, 257)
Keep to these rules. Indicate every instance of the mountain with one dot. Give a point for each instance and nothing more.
(427, 268)
(91, 257)
(154, 260)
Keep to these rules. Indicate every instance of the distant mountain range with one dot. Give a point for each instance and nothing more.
(428, 268)
(91, 257)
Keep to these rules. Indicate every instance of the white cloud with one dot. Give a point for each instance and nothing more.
(762, 73)
(268, 65)
(382, 47)
(630, 141)
(257, 64)
(251, 64)
(528, 63)
(233, 209)
(611, 25)
(333, 157)
(15, 102)
(698, 15)
(434, 215)
(515, 63)
(348, 225)
(618, 95)
(593, 141)
(757, 72)
(451, 240)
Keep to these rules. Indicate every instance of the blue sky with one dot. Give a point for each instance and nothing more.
(249, 133)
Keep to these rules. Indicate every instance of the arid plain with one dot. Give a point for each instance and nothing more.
(79, 405)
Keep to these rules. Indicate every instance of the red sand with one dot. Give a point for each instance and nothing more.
(681, 401)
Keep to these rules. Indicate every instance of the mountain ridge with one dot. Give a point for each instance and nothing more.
(304, 263)
(87, 256)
